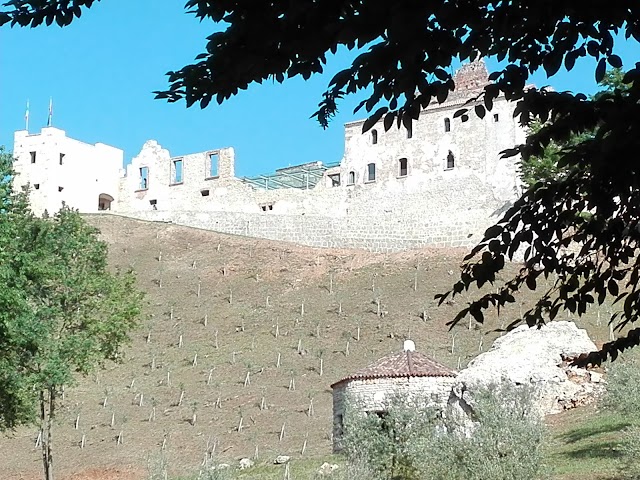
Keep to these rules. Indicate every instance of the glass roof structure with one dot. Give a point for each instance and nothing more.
(303, 176)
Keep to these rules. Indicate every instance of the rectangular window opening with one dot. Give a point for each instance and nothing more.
(334, 180)
(33, 157)
(212, 164)
(496, 117)
(61, 158)
(154, 204)
(266, 207)
(403, 170)
(177, 171)
(204, 193)
(60, 189)
(36, 186)
(144, 178)
(371, 172)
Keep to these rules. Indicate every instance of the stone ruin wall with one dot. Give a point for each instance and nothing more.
(430, 206)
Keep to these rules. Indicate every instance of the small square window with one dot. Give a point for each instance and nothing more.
(33, 157)
(36, 186)
(60, 189)
(204, 193)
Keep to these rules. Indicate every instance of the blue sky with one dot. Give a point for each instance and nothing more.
(102, 69)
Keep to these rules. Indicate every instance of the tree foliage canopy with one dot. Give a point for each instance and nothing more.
(582, 229)
(62, 312)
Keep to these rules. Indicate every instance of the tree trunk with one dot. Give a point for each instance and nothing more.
(47, 411)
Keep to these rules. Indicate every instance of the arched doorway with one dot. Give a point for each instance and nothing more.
(104, 202)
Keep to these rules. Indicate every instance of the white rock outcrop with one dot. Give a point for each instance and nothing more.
(534, 357)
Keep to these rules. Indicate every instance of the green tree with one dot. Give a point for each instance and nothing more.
(62, 312)
(406, 49)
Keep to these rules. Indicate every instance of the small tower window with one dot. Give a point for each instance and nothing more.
(36, 186)
(403, 167)
(60, 189)
(410, 131)
(204, 193)
(351, 178)
(334, 180)
(496, 118)
(374, 136)
(451, 161)
(33, 157)
(61, 158)
(447, 125)
(371, 172)
(154, 204)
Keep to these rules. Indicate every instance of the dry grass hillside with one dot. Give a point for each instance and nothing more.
(239, 343)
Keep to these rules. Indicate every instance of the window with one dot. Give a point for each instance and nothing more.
(33, 157)
(374, 136)
(451, 161)
(371, 172)
(36, 186)
(447, 125)
(410, 131)
(154, 204)
(267, 207)
(496, 118)
(144, 178)
(176, 171)
(334, 180)
(204, 193)
(60, 189)
(403, 167)
(351, 178)
(213, 159)
(61, 158)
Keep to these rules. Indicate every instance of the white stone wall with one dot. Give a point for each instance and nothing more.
(86, 170)
(373, 395)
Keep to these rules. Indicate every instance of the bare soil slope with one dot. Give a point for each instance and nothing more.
(283, 322)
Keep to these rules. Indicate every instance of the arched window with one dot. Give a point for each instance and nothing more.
(403, 169)
(351, 178)
(447, 125)
(374, 136)
(451, 160)
(371, 172)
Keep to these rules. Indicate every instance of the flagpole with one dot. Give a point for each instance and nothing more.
(26, 117)
(50, 118)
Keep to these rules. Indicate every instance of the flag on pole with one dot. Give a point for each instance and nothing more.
(26, 117)
(50, 112)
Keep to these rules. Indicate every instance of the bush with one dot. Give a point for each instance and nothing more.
(410, 441)
(623, 391)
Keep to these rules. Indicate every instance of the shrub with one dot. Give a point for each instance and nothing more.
(411, 441)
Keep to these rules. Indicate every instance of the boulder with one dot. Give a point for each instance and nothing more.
(246, 463)
(327, 469)
(281, 459)
(535, 357)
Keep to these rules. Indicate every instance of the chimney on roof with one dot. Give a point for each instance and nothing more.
(409, 346)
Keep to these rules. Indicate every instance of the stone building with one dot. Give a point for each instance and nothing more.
(61, 169)
(441, 183)
(406, 373)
